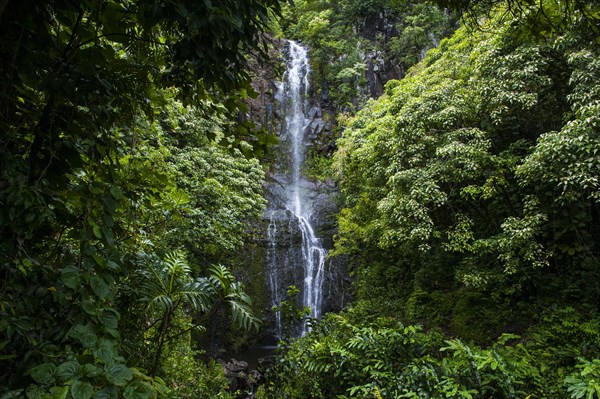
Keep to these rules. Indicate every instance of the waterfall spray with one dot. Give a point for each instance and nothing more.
(296, 196)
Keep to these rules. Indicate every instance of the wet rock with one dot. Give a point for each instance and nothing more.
(317, 126)
(235, 366)
(255, 378)
(240, 378)
(314, 112)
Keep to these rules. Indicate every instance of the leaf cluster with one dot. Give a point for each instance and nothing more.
(476, 174)
(99, 102)
(344, 357)
(343, 35)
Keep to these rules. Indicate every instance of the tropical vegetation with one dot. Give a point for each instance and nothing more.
(470, 211)
(469, 196)
(123, 192)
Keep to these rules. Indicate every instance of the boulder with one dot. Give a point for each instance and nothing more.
(240, 378)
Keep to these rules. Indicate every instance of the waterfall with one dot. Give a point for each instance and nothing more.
(294, 194)
(276, 297)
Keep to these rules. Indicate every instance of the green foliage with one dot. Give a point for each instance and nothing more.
(421, 29)
(169, 291)
(190, 377)
(470, 205)
(317, 166)
(291, 315)
(586, 383)
(342, 35)
(539, 17)
(475, 176)
(90, 179)
(344, 357)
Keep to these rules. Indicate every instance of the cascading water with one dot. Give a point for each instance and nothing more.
(295, 196)
(272, 271)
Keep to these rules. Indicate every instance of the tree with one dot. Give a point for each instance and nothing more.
(543, 16)
(84, 177)
(167, 287)
(475, 176)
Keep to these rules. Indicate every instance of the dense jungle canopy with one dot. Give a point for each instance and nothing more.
(465, 144)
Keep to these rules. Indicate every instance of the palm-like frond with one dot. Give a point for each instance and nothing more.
(161, 302)
(177, 269)
(239, 302)
(221, 277)
(242, 315)
(168, 284)
(154, 286)
(200, 294)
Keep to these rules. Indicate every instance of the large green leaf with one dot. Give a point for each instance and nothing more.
(91, 370)
(109, 318)
(99, 286)
(106, 393)
(43, 373)
(70, 277)
(59, 392)
(35, 392)
(138, 390)
(82, 390)
(84, 334)
(68, 370)
(106, 351)
(118, 375)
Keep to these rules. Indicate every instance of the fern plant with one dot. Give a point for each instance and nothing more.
(168, 286)
(585, 383)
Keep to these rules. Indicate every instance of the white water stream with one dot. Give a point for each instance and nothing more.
(293, 93)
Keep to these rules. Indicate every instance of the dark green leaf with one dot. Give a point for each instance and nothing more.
(90, 307)
(106, 393)
(109, 318)
(138, 390)
(109, 203)
(105, 351)
(118, 375)
(70, 277)
(101, 289)
(92, 371)
(116, 192)
(43, 373)
(68, 370)
(35, 392)
(82, 390)
(83, 334)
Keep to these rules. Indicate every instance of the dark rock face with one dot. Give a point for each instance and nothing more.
(299, 213)
(378, 71)
(262, 110)
(273, 257)
(241, 379)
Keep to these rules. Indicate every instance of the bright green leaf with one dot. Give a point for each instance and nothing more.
(59, 392)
